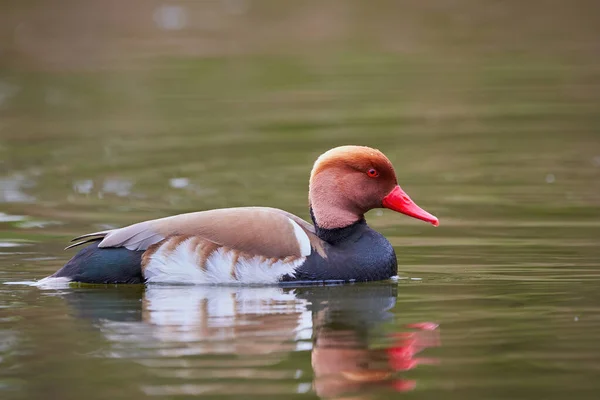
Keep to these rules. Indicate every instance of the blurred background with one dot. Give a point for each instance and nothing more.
(112, 112)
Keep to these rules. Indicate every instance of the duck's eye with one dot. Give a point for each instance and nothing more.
(373, 173)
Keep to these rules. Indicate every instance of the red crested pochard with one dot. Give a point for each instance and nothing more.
(260, 245)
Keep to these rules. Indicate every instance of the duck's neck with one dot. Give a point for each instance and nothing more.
(335, 235)
(331, 210)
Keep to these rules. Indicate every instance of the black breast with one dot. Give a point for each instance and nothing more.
(354, 253)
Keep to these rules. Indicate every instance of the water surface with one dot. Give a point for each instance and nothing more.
(109, 117)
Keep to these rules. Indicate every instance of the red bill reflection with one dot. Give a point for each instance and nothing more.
(343, 363)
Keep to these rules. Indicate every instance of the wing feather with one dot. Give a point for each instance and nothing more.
(262, 231)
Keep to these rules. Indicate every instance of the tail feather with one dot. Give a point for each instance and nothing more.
(94, 264)
(83, 242)
(100, 235)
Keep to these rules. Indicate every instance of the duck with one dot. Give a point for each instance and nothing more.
(261, 245)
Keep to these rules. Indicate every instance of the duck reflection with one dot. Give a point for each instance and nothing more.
(186, 332)
(346, 329)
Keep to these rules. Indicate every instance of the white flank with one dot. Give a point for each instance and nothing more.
(302, 238)
(183, 266)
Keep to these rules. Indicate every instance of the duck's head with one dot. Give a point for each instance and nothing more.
(348, 181)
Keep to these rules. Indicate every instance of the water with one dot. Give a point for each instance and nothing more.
(110, 116)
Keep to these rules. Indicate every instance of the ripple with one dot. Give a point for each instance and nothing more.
(4, 244)
(12, 189)
(11, 218)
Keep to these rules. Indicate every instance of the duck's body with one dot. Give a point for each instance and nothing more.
(259, 245)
